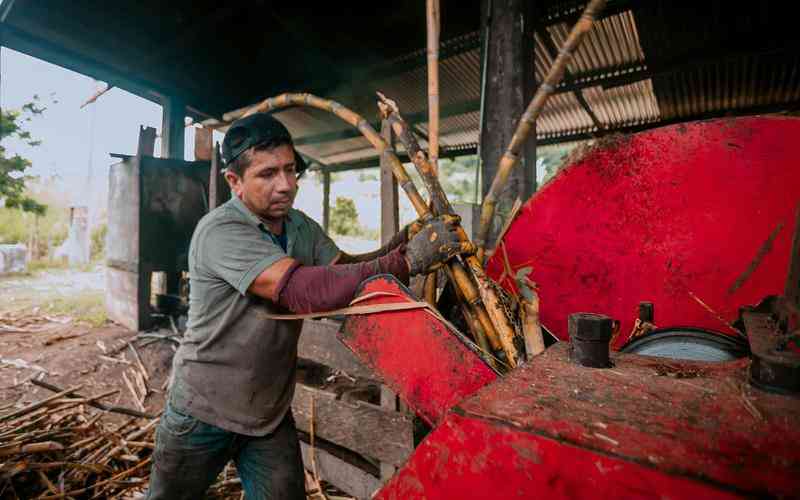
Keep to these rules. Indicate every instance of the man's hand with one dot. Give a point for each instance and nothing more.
(434, 244)
(412, 229)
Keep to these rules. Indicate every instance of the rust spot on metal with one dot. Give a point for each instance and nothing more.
(526, 452)
(762, 252)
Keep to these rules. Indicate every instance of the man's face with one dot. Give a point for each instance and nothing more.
(269, 184)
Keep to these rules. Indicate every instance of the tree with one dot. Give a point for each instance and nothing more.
(12, 168)
(344, 217)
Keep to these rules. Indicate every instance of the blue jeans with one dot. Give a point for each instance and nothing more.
(190, 454)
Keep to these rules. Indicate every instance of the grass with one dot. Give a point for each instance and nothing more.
(47, 285)
(43, 265)
(87, 307)
(36, 266)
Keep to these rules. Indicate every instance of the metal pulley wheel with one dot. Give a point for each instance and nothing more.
(689, 344)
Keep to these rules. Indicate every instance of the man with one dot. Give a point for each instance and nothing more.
(234, 373)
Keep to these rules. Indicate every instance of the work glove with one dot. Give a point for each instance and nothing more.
(434, 244)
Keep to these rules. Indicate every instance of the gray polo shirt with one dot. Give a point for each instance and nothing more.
(236, 368)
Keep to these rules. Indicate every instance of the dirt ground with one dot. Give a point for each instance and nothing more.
(53, 328)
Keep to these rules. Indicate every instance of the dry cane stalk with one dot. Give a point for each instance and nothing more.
(133, 392)
(96, 404)
(433, 23)
(117, 477)
(39, 404)
(139, 362)
(429, 290)
(433, 82)
(528, 119)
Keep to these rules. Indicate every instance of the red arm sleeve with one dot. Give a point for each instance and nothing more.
(305, 289)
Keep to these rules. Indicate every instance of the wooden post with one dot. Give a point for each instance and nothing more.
(172, 128)
(390, 202)
(326, 200)
(509, 87)
(172, 136)
(147, 141)
(213, 179)
(203, 143)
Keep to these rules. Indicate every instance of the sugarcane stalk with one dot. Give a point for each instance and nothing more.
(30, 448)
(433, 22)
(478, 333)
(526, 123)
(429, 289)
(355, 120)
(433, 81)
(496, 326)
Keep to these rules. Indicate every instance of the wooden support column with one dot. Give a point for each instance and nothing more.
(390, 202)
(172, 146)
(214, 179)
(203, 143)
(147, 141)
(507, 36)
(326, 200)
(172, 128)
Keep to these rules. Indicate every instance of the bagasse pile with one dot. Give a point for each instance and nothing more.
(60, 447)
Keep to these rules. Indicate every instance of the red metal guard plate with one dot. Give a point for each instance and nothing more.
(414, 353)
(696, 218)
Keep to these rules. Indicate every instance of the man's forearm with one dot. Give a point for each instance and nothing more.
(398, 239)
(324, 288)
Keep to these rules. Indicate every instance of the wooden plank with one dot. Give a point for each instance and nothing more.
(390, 403)
(122, 304)
(390, 201)
(346, 477)
(318, 343)
(203, 144)
(122, 250)
(361, 427)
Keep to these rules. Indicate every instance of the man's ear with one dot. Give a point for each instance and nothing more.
(234, 181)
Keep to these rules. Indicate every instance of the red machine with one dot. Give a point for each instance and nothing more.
(696, 219)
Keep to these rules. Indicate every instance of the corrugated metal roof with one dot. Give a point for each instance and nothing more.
(626, 83)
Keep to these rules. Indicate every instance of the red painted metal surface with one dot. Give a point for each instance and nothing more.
(646, 428)
(414, 353)
(469, 458)
(696, 218)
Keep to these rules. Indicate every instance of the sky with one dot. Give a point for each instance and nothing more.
(73, 139)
